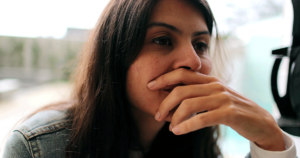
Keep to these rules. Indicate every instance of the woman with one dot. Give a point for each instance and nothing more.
(147, 64)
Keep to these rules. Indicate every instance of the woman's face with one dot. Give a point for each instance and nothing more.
(177, 37)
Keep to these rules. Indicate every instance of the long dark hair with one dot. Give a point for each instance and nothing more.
(102, 125)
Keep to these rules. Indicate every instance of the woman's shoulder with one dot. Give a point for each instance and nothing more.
(44, 133)
(44, 122)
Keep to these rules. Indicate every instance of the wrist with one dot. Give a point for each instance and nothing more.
(275, 143)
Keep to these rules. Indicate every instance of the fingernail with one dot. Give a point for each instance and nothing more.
(157, 116)
(151, 84)
(175, 130)
(170, 127)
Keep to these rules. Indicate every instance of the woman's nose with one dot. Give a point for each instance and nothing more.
(186, 57)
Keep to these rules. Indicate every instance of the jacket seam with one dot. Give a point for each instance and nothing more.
(37, 147)
(29, 134)
(31, 149)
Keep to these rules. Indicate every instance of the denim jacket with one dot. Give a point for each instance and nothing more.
(45, 134)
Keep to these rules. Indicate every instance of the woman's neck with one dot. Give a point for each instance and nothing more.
(148, 127)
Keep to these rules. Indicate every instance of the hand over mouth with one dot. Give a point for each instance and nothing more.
(171, 87)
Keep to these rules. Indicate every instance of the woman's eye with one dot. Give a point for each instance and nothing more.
(201, 46)
(164, 40)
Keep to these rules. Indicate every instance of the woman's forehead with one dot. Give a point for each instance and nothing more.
(178, 13)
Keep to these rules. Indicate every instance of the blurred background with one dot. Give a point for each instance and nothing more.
(39, 42)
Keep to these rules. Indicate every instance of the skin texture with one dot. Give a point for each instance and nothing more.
(170, 80)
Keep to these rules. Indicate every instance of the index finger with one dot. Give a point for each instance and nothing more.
(179, 76)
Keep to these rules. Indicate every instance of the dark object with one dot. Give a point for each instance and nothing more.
(289, 105)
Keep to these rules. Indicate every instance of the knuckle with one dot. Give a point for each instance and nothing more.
(231, 109)
(185, 105)
(177, 91)
(219, 86)
(231, 114)
(226, 98)
(214, 79)
(185, 102)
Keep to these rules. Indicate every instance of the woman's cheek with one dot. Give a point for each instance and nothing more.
(140, 73)
(149, 65)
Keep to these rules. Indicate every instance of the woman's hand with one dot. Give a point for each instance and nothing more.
(219, 104)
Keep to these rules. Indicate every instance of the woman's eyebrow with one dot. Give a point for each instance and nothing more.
(174, 29)
(200, 33)
(168, 26)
